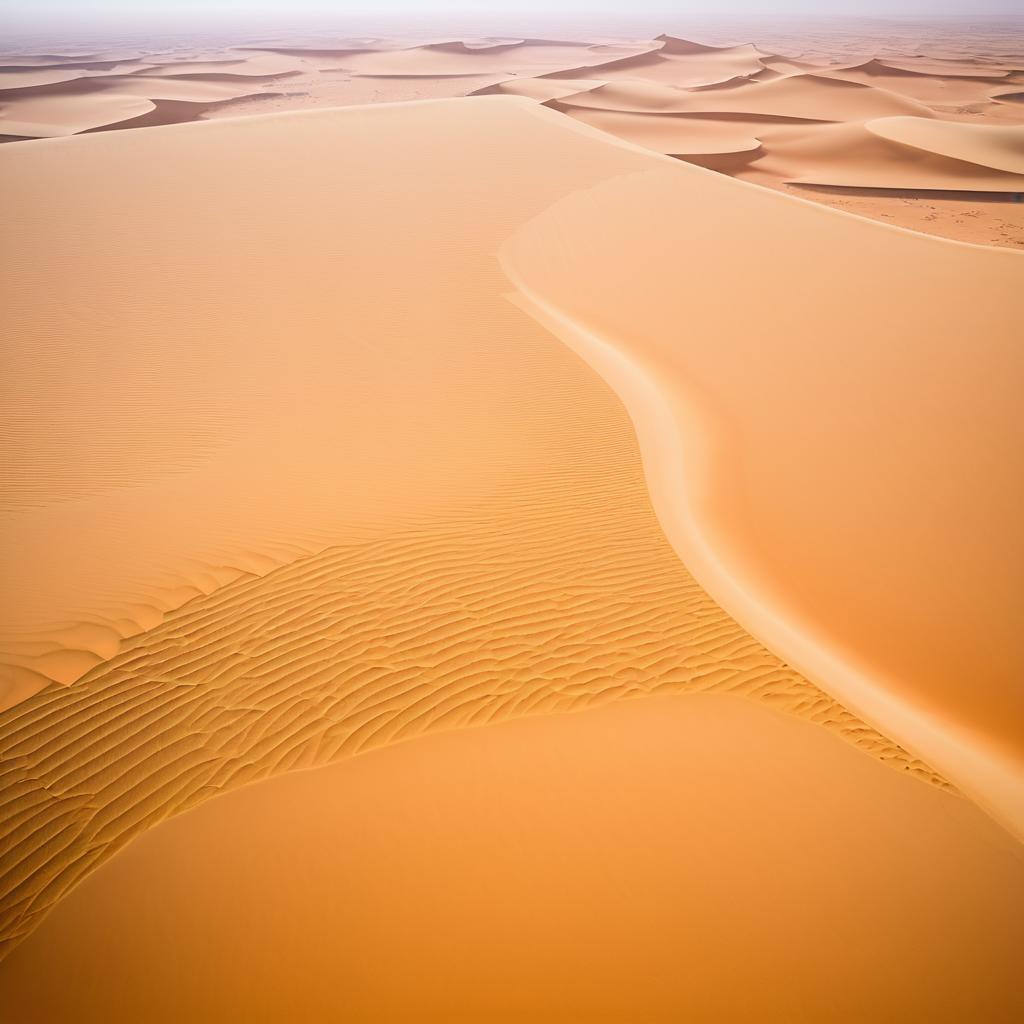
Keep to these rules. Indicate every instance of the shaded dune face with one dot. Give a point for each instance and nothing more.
(873, 155)
(410, 507)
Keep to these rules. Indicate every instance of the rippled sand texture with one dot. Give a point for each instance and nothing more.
(837, 456)
(814, 117)
(670, 858)
(313, 446)
(295, 477)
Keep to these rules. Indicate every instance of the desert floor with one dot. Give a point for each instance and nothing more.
(547, 510)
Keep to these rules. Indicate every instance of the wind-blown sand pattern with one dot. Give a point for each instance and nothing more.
(405, 429)
(558, 867)
(389, 613)
(761, 528)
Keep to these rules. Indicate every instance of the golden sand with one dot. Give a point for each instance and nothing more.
(334, 428)
(669, 858)
(470, 538)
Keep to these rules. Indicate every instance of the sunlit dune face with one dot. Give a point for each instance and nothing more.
(516, 554)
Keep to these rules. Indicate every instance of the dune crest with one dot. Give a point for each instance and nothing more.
(807, 553)
(1000, 147)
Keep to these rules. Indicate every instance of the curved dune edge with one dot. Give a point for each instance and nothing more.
(366, 646)
(999, 147)
(602, 849)
(679, 444)
(546, 586)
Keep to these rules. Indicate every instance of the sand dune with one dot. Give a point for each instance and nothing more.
(262, 65)
(798, 507)
(11, 79)
(89, 104)
(678, 62)
(539, 89)
(672, 135)
(660, 859)
(810, 97)
(376, 441)
(455, 59)
(472, 540)
(54, 114)
(736, 97)
(997, 147)
(927, 88)
(857, 155)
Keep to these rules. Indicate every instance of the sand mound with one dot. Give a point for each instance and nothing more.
(554, 869)
(998, 147)
(264, 65)
(540, 89)
(124, 101)
(926, 88)
(689, 65)
(673, 135)
(55, 114)
(10, 79)
(534, 57)
(789, 501)
(809, 97)
(435, 517)
(743, 98)
(855, 156)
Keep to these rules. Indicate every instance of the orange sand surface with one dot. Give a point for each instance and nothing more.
(327, 429)
(662, 859)
(342, 493)
(811, 441)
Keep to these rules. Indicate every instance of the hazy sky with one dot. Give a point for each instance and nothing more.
(501, 10)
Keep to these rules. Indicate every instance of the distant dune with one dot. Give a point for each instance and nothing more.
(789, 123)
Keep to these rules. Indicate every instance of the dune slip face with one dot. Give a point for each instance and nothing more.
(330, 487)
(838, 458)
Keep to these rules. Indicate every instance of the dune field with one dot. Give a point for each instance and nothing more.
(512, 529)
(803, 121)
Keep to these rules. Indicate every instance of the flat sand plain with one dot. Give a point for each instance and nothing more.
(312, 447)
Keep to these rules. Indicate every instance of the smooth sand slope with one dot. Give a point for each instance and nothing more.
(305, 460)
(673, 858)
(838, 457)
(291, 477)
